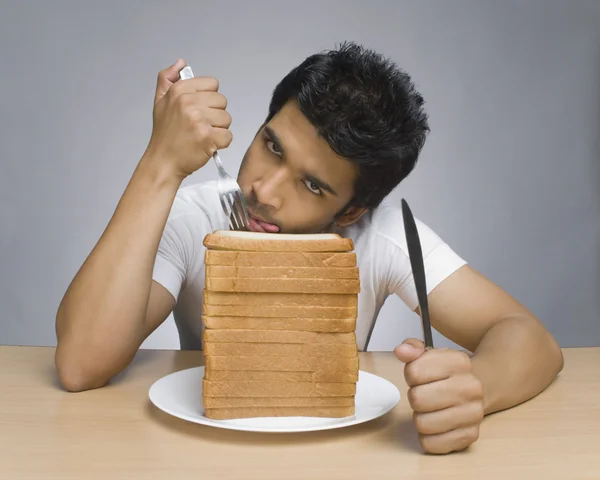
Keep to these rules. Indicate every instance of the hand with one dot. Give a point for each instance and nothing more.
(445, 395)
(190, 121)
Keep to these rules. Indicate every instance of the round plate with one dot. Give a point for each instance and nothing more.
(180, 394)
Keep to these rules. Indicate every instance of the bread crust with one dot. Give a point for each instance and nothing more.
(277, 242)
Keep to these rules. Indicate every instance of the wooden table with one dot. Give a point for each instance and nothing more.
(115, 432)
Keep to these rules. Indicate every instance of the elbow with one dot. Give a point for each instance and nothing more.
(72, 373)
(73, 366)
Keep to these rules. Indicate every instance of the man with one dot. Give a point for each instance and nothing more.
(343, 129)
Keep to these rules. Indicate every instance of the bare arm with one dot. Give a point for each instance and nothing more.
(112, 304)
(105, 314)
(515, 357)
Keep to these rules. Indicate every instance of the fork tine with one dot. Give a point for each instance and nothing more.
(226, 209)
(238, 223)
(243, 208)
(234, 222)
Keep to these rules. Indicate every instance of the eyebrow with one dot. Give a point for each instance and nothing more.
(317, 181)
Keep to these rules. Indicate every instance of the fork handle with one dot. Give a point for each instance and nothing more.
(220, 167)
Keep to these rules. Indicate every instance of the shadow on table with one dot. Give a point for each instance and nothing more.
(405, 435)
(243, 438)
(385, 429)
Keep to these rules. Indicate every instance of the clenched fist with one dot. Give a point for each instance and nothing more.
(445, 395)
(190, 121)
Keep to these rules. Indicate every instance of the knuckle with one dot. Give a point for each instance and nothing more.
(187, 110)
(414, 398)
(411, 373)
(476, 388)
(200, 114)
(228, 137)
(469, 386)
(203, 130)
(431, 445)
(478, 411)
(462, 361)
(212, 83)
(425, 442)
(223, 100)
(421, 424)
(470, 435)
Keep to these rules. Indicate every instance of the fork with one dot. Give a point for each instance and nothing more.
(230, 193)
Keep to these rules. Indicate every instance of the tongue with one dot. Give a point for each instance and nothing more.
(268, 226)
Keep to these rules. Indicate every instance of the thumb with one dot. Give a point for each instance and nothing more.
(168, 77)
(409, 350)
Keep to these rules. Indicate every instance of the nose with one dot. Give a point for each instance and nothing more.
(270, 187)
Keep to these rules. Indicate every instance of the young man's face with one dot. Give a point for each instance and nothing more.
(293, 181)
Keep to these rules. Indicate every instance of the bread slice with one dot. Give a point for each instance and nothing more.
(283, 285)
(275, 311)
(317, 350)
(214, 271)
(282, 364)
(326, 376)
(327, 325)
(253, 412)
(280, 299)
(276, 336)
(277, 389)
(277, 242)
(279, 259)
(237, 402)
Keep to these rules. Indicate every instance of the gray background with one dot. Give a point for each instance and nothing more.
(510, 176)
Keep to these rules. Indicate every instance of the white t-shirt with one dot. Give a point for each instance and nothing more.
(379, 243)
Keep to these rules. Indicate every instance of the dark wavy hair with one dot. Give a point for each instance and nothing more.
(366, 108)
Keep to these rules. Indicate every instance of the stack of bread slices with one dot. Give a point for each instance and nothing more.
(280, 317)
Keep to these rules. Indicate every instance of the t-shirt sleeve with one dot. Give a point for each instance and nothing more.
(173, 256)
(180, 258)
(439, 260)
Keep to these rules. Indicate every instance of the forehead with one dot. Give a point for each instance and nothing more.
(310, 153)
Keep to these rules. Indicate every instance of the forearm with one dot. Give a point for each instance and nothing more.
(516, 360)
(100, 321)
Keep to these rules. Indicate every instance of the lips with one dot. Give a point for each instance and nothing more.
(258, 225)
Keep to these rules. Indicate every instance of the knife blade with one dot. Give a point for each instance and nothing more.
(415, 254)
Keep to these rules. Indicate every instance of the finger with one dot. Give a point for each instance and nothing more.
(442, 394)
(459, 416)
(217, 118)
(453, 441)
(435, 365)
(194, 85)
(168, 77)
(213, 100)
(409, 350)
(222, 138)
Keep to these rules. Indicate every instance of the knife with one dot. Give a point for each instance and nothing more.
(415, 254)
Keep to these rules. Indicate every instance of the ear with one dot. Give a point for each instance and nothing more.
(350, 216)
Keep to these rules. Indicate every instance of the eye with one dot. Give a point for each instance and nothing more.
(313, 187)
(273, 147)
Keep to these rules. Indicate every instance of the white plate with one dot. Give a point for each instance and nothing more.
(180, 394)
